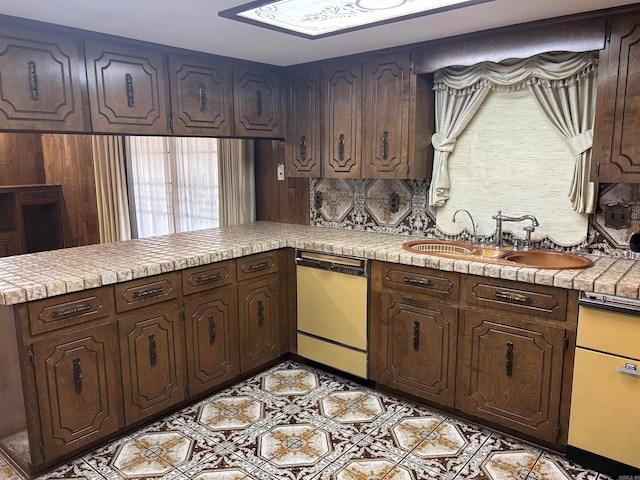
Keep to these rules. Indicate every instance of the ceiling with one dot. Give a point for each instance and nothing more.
(195, 25)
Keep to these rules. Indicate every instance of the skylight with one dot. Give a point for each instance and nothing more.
(321, 18)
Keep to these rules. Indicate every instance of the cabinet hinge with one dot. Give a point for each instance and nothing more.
(410, 63)
(32, 359)
(608, 32)
(181, 314)
(558, 432)
(566, 342)
(186, 390)
(170, 123)
(42, 450)
(598, 169)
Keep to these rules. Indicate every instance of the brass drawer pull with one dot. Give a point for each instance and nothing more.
(259, 266)
(153, 354)
(303, 148)
(128, 80)
(515, 297)
(77, 376)
(418, 281)
(209, 277)
(416, 335)
(212, 330)
(260, 313)
(385, 145)
(148, 291)
(341, 147)
(71, 310)
(33, 81)
(509, 360)
(259, 103)
(203, 98)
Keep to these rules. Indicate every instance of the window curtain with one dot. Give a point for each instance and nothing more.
(111, 188)
(563, 85)
(236, 159)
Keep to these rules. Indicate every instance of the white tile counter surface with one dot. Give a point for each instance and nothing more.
(35, 276)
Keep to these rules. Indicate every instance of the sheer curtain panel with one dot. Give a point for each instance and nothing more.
(237, 181)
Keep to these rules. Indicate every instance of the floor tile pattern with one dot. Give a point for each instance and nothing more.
(294, 422)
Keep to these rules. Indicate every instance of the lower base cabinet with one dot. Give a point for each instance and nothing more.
(78, 386)
(510, 372)
(151, 353)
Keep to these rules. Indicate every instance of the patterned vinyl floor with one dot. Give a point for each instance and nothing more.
(296, 422)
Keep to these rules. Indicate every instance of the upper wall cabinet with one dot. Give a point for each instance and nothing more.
(201, 101)
(303, 133)
(616, 151)
(41, 82)
(257, 103)
(395, 119)
(342, 85)
(128, 90)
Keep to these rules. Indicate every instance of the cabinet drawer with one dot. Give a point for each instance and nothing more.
(71, 309)
(146, 291)
(207, 277)
(523, 298)
(39, 196)
(257, 265)
(425, 281)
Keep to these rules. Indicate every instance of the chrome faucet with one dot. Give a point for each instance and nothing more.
(499, 218)
(474, 237)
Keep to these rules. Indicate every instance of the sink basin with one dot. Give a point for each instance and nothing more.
(439, 247)
(549, 260)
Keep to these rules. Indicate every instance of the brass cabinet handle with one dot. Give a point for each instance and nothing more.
(509, 360)
(303, 148)
(209, 277)
(212, 330)
(418, 281)
(33, 81)
(416, 335)
(259, 266)
(515, 297)
(77, 376)
(260, 313)
(259, 103)
(71, 310)
(148, 291)
(203, 98)
(341, 146)
(153, 354)
(128, 80)
(385, 145)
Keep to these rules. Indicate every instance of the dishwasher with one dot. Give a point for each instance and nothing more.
(604, 423)
(332, 310)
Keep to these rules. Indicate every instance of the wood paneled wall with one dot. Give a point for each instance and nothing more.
(21, 160)
(279, 201)
(68, 161)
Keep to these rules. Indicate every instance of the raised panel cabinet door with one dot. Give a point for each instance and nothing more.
(385, 117)
(79, 390)
(10, 245)
(616, 153)
(152, 359)
(201, 101)
(41, 82)
(303, 108)
(259, 326)
(212, 337)
(128, 91)
(510, 372)
(257, 109)
(342, 85)
(420, 347)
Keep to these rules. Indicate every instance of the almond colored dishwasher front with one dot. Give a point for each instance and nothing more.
(332, 310)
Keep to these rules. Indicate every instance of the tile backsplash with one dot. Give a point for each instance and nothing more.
(371, 205)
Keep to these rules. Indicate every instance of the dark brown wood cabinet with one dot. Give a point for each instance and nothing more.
(616, 153)
(42, 86)
(257, 101)
(510, 372)
(201, 96)
(304, 119)
(128, 89)
(342, 135)
(395, 119)
(79, 389)
(10, 244)
(212, 338)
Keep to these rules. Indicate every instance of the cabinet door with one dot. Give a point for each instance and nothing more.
(258, 304)
(212, 336)
(200, 96)
(152, 358)
(42, 82)
(10, 245)
(303, 139)
(78, 384)
(342, 84)
(510, 372)
(616, 153)
(257, 108)
(419, 348)
(128, 90)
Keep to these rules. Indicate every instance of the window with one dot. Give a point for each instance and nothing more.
(173, 184)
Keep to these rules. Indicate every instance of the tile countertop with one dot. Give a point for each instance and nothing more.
(35, 276)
